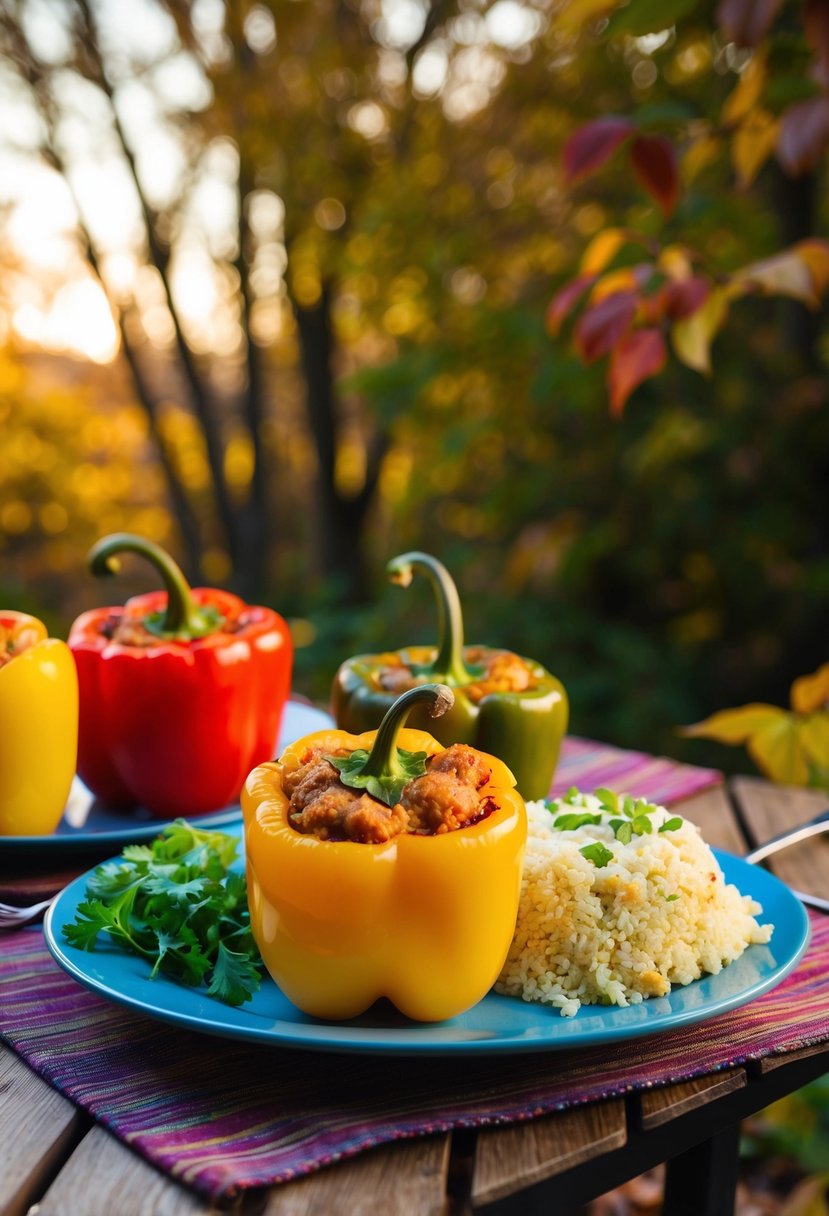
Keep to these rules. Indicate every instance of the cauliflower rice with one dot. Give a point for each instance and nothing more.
(620, 907)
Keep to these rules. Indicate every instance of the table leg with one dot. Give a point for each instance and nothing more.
(703, 1180)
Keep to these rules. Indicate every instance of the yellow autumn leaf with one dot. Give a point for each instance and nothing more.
(785, 274)
(571, 17)
(602, 250)
(813, 733)
(676, 263)
(692, 336)
(809, 693)
(735, 725)
(815, 253)
(745, 95)
(753, 143)
(699, 155)
(617, 280)
(776, 750)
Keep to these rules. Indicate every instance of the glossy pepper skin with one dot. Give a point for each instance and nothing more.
(176, 723)
(38, 727)
(425, 921)
(524, 729)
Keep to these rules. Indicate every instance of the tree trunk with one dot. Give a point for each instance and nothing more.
(340, 520)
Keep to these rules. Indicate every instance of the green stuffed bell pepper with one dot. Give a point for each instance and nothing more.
(504, 704)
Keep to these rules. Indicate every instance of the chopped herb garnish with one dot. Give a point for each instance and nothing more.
(177, 904)
(623, 830)
(671, 825)
(670, 898)
(387, 788)
(574, 819)
(598, 853)
(609, 801)
(641, 826)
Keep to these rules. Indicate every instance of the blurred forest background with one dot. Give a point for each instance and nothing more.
(276, 288)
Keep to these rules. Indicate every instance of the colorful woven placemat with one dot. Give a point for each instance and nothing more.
(221, 1116)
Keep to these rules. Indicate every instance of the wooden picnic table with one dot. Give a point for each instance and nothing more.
(54, 1157)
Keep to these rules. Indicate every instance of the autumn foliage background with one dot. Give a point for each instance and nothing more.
(537, 288)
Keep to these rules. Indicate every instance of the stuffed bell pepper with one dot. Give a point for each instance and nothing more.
(181, 691)
(504, 704)
(38, 726)
(384, 865)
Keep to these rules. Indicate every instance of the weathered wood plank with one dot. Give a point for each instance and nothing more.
(38, 1127)
(103, 1176)
(770, 1063)
(395, 1180)
(769, 809)
(713, 814)
(511, 1158)
(659, 1106)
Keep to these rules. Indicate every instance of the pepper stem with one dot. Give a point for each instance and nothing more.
(448, 666)
(183, 617)
(384, 759)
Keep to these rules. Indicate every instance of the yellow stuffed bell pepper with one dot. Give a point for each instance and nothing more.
(425, 920)
(38, 726)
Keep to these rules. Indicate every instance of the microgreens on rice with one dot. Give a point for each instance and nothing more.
(625, 815)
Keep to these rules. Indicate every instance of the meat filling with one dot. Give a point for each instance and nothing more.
(503, 671)
(444, 799)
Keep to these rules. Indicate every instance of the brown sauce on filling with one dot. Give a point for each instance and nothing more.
(445, 799)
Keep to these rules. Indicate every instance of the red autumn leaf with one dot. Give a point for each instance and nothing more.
(654, 163)
(599, 328)
(590, 146)
(816, 25)
(681, 299)
(563, 301)
(804, 133)
(747, 22)
(637, 357)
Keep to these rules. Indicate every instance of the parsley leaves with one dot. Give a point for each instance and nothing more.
(178, 904)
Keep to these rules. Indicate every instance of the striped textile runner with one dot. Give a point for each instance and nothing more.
(592, 766)
(222, 1116)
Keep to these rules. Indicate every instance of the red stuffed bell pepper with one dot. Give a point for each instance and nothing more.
(181, 691)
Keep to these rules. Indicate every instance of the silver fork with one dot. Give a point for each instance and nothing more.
(12, 917)
(813, 827)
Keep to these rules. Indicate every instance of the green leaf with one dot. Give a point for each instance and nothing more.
(598, 853)
(671, 825)
(234, 978)
(642, 17)
(177, 905)
(573, 820)
(610, 800)
(670, 898)
(642, 826)
(387, 788)
(623, 829)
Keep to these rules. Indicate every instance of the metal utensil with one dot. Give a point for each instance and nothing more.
(814, 827)
(13, 917)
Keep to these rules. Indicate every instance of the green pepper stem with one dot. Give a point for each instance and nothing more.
(183, 617)
(448, 666)
(383, 760)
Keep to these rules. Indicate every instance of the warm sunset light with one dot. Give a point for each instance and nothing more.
(78, 321)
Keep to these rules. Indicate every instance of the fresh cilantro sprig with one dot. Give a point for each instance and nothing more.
(177, 904)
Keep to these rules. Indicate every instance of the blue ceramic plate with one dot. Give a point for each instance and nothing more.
(88, 826)
(497, 1024)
